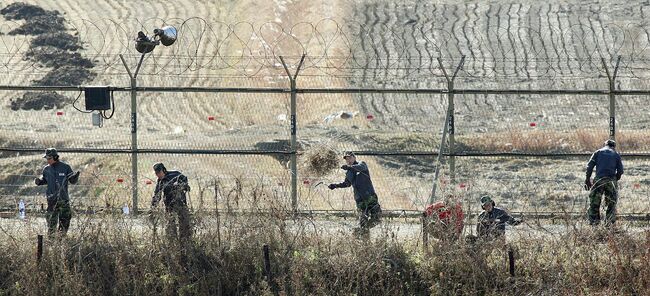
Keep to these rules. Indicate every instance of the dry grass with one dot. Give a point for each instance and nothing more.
(320, 160)
(122, 263)
(545, 141)
(111, 255)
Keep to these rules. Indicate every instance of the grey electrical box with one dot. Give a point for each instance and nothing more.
(97, 119)
(97, 98)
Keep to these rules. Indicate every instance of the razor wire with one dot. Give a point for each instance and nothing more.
(386, 50)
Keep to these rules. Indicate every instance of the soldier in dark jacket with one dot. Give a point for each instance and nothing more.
(56, 175)
(358, 176)
(492, 221)
(609, 169)
(173, 186)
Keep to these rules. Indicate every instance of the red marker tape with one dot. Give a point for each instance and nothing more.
(59, 113)
(306, 182)
(120, 180)
(370, 117)
(532, 124)
(210, 118)
(462, 185)
(148, 182)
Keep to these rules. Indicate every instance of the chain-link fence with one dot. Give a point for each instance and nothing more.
(528, 110)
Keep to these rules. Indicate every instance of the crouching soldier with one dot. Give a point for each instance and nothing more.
(492, 221)
(174, 186)
(357, 175)
(57, 175)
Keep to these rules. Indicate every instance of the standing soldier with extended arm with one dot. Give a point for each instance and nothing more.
(57, 175)
(609, 169)
(174, 186)
(358, 176)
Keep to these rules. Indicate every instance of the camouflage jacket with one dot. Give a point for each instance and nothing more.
(493, 223)
(173, 186)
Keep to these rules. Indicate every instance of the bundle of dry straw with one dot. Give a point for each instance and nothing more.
(321, 160)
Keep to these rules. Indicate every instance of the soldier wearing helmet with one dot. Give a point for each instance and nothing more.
(56, 175)
(492, 221)
(609, 169)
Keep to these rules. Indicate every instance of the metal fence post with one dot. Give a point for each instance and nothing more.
(511, 261)
(39, 248)
(294, 134)
(612, 96)
(450, 113)
(134, 145)
(134, 130)
(437, 171)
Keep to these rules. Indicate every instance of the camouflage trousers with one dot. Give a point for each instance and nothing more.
(369, 212)
(58, 214)
(609, 188)
(178, 222)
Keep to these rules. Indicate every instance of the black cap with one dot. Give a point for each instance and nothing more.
(347, 154)
(159, 167)
(486, 199)
(50, 152)
(610, 143)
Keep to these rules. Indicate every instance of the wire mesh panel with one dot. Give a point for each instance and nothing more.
(632, 123)
(525, 184)
(531, 123)
(401, 183)
(545, 185)
(392, 124)
(372, 122)
(104, 181)
(234, 182)
(240, 182)
(49, 119)
(634, 187)
(213, 121)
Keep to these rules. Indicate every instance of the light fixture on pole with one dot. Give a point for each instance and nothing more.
(143, 44)
(165, 36)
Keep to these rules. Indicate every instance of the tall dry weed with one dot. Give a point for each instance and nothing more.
(113, 255)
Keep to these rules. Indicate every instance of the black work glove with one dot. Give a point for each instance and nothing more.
(73, 177)
(346, 167)
(588, 184)
(331, 186)
(38, 181)
(618, 176)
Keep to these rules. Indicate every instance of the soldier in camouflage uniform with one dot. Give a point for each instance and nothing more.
(56, 175)
(358, 176)
(492, 221)
(609, 169)
(174, 186)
